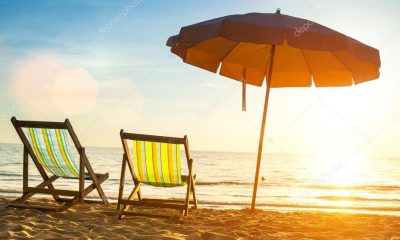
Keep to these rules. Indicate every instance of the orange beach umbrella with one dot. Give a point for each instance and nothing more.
(285, 51)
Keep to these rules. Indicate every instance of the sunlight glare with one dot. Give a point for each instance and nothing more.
(341, 171)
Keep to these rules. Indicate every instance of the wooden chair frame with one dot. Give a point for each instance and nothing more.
(124, 204)
(46, 187)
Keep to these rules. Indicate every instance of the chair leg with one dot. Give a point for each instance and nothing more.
(20, 203)
(86, 191)
(134, 192)
(44, 184)
(69, 204)
(101, 194)
(193, 188)
(94, 178)
(186, 211)
(81, 176)
(121, 182)
(189, 187)
(139, 194)
(125, 207)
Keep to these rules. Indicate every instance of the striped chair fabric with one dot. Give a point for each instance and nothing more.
(52, 149)
(157, 164)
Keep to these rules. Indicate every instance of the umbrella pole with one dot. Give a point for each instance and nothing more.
(260, 144)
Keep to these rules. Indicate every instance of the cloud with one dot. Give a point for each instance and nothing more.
(44, 82)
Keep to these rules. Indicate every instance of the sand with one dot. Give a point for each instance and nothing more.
(93, 221)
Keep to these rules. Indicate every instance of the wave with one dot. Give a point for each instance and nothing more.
(356, 199)
(288, 206)
(358, 187)
(292, 184)
(279, 183)
(4, 174)
(9, 190)
(263, 183)
(223, 183)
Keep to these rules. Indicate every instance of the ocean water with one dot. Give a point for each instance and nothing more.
(225, 180)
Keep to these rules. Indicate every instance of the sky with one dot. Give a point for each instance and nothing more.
(105, 66)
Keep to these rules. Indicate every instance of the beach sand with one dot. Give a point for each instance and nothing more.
(93, 221)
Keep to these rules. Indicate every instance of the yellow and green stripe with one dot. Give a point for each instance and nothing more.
(52, 150)
(157, 164)
(51, 153)
(35, 145)
(139, 161)
(64, 153)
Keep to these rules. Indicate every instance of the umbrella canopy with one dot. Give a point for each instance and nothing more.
(285, 50)
(305, 52)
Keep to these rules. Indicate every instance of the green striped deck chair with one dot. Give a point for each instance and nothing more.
(155, 161)
(49, 146)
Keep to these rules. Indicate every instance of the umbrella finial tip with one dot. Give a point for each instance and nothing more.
(278, 11)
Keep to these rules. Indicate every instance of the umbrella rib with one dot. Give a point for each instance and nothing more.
(308, 66)
(348, 69)
(229, 52)
(268, 62)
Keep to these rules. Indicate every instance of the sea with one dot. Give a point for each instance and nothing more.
(224, 180)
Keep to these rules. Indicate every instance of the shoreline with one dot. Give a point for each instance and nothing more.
(275, 207)
(98, 221)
